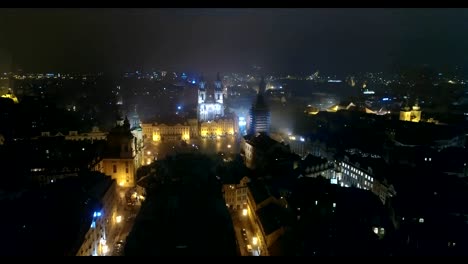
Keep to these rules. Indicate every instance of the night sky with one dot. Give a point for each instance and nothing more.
(210, 40)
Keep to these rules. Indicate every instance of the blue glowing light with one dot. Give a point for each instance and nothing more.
(179, 107)
(193, 82)
(99, 214)
(95, 214)
(385, 99)
(93, 224)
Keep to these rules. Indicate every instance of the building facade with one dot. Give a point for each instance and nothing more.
(235, 194)
(356, 174)
(219, 127)
(257, 149)
(166, 132)
(103, 224)
(94, 134)
(411, 114)
(123, 154)
(210, 106)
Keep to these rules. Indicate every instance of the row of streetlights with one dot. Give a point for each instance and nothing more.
(255, 238)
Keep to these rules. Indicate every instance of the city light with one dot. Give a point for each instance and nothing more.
(254, 241)
(121, 183)
(105, 249)
(149, 152)
(244, 212)
(118, 219)
(229, 146)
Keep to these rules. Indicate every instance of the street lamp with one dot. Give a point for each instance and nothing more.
(118, 219)
(244, 212)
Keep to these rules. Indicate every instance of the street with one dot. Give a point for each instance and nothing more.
(249, 243)
(128, 211)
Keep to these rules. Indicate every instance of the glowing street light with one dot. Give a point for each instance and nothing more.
(118, 219)
(254, 241)
(244, 212)
(149, 152)
(121, 183)
(229, 146)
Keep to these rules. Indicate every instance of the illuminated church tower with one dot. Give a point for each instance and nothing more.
(218, 90)
(210, 106)
(411, 114)
(201, 91)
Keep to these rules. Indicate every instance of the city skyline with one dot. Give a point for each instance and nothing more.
(211, 40)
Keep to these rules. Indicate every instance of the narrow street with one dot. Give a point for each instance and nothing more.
(250, 243)
(128, 211)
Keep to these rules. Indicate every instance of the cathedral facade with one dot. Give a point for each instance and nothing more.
(210, 105)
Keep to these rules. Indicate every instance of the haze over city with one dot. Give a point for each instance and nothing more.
(342, 40)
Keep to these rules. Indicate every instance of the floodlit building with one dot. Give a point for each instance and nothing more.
(123, 154)
(411, 114)
(166, 131)
(210, 107)
(235, 193)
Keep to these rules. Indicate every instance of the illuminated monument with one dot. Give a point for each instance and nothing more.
(411, 114)
(209, 107)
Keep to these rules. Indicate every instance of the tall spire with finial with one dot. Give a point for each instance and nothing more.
(202, 81)
(218, 84)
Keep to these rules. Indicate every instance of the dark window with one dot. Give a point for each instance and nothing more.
(114, 167)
